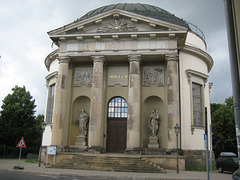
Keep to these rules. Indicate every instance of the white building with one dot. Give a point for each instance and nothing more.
(118, 63)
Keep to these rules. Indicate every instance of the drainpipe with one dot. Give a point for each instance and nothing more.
(180, 103)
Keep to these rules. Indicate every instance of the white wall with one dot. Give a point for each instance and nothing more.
(47, 136)
(195, 140)
(195, 41)
(54, 66)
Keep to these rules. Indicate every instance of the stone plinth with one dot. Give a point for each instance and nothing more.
(81, 141)
(153, 142)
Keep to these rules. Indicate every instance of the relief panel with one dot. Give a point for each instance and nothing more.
(153, 76)
(83, 76)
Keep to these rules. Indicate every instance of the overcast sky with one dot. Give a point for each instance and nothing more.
(24, 42)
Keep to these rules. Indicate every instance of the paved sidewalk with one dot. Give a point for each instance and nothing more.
(7, 164)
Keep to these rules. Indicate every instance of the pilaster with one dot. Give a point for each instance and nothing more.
(173, 97)
(60, 102)
(134, 92)
(95, 138)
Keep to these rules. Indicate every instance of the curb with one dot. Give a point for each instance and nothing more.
(85, 176)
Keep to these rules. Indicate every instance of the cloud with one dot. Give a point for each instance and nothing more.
(24, 42)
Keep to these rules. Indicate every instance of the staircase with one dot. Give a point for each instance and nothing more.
(115, 163)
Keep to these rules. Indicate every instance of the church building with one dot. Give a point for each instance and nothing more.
(122, 78)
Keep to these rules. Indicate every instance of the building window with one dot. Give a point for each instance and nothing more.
(197, 81)
(117, 108)
(50, 103)
(197, 104)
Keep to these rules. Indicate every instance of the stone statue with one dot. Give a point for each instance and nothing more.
(83, 120)
(153, 123)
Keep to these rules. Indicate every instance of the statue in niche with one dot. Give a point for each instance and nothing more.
(83, 120)
(153, 123)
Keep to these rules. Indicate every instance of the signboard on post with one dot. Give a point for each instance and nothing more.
(51, 150)
(205, 140)
(21, 143)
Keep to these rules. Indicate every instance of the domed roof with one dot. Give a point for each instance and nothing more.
(142, 9)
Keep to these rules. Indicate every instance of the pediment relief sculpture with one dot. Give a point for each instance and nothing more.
(117, 26)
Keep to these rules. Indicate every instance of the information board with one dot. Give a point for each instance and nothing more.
(51, 150)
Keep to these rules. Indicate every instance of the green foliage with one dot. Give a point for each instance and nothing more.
(17, 120)
(223, 127)
(31, 160)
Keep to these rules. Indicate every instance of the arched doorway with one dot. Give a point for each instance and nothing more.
(117, 125)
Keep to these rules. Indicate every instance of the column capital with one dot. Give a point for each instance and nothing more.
(134, 57)
(64, 60)
(172, 57)
(98, 58)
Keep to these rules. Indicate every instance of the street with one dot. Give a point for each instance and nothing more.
(5, 175)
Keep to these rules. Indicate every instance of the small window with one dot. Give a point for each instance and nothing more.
(197, 104)
(117, 108)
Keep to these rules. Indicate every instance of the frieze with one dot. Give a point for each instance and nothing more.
(83, 76)
(153, 76)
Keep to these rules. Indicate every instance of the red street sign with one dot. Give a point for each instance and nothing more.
(21, 143)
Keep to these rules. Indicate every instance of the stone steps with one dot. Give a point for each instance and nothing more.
(106, 163)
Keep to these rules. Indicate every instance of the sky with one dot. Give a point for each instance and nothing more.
(24, 42)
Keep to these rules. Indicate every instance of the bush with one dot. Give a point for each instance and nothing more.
(13, 152)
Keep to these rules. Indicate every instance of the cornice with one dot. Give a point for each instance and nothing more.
(51, 75)
(51, 57)
(180, 35)
(200, 53)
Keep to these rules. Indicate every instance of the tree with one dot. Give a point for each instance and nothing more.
(223, 127)
(38, 129)
(17, 119)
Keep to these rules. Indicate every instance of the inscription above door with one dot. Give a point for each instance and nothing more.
(118, 75)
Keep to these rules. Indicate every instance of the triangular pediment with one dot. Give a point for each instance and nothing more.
(115, 21)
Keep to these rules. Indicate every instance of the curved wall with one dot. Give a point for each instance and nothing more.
(192, 136)
(195, 41)
(54, 66)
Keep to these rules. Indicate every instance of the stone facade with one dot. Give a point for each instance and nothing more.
(118, 66)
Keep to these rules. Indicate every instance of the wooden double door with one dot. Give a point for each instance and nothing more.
(116, 134)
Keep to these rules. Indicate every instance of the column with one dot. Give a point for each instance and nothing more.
(95, 136)
(133, 121)
(60, 102)
(173, 97)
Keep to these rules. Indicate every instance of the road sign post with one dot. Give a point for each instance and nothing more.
(21, 145)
